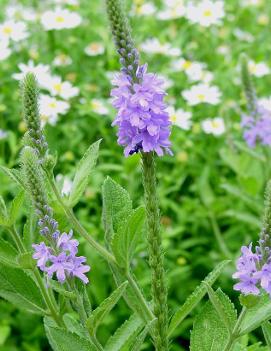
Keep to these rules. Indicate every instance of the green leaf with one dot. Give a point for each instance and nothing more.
(61, 290)
(142, 336)
(124, 335)
(196, 296)
(124, 242)
(14, 175)
(63, 340)
(98, 315)
(4, 333)
(209, 333)
(256, 315)
(29, 231)
(3, 213)
(83, 170)
(219, 307)
(8, 254)
(16, 207)
(19, 289)
(74, 326)
(266, 327)
(117, 207)
(26, 261)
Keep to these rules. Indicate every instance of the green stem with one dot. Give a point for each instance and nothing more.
(47, 297)
(235, 333)
(219, 238)
(102, 251)
(156, 257)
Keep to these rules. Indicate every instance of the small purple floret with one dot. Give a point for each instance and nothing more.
(142, 118)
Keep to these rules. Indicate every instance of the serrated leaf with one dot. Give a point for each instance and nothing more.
(219, 307)
(8, 253)
(125, 334)
(74, 326)
(124, 242)
(209, 333)
(19, 289)
(117, 207)
(256, 315)
(61, 290)
(142, 336)
(196, 296)
(83, 170)
(15, 207)
(63, 340)
(266, 327)
(14, 175)
(98, 315)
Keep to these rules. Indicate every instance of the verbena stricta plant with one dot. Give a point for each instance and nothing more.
(42, 270)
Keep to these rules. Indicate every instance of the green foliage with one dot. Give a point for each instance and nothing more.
(124, 242)
(7, 253)
(196, 296)
(266, 327)
(83, 170)
(98, 315)
(209, 331)
(19, 289)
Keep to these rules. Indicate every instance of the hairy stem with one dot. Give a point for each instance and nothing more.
(235, 333)
(156, 257)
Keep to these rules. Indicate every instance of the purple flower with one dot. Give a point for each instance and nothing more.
(257, 129)
(142, 118)
(42, 254)
(79, 269)
(246, 269)
(65, 243)
(265, 277)
(60, 264)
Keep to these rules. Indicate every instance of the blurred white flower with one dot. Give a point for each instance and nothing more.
(252, 2)
(65, 183)
(215, 126)
(202, 93)
(99, 107)
(19, 12)
(12, 30)
(50, 108)
(5, 51)
(172, 9)
(167, 83)
(259, 69)
(242, 35)
(180, 118)
(60, 19)
(265, 102)
(153, 46)
(67, 2)
(206, 13)
(3, 134)
(194, 70)
(61, 88)
(145, 9)
(94, 49)
(62, 60)
(41, 72)
(223, 50)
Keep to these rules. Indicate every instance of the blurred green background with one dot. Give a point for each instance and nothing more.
(211, 190)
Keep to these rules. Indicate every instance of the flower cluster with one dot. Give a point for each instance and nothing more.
(253, 271)
(142, 117)
(61, 260)
(257, 128)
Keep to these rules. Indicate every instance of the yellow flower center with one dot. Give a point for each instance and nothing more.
(187, 64)
(58, 87)
(207, 13)
(201, 97)
(7, 30)
(94, 47)
(173, 118)
(52, 105)
(215, 124)
(60, 19)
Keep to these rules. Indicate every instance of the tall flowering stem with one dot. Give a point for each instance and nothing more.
(143, 126)
(156, 258)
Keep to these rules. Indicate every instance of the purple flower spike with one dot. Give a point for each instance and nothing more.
(142, 117)
(42, 254)
(65, 243)
(265, 277)
(79, 269)
(59, 265)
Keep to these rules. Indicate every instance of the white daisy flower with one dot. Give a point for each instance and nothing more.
(194, 70)
(62, 60)
(242, 35)
(265, 102)
(64, 89)
(41, 72)
(5, 51)
(94, 49)
(153, 46)
(145, 9)
(60, 19)
(259, 69)
(180, 118)
(206, 13)
(172, 9)
(215, 126)
(50, 108)
(167, 83)
(99, 107)
(12, 30)
(202, 93)
(19, 12)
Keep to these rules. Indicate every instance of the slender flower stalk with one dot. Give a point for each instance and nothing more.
(143, 127)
